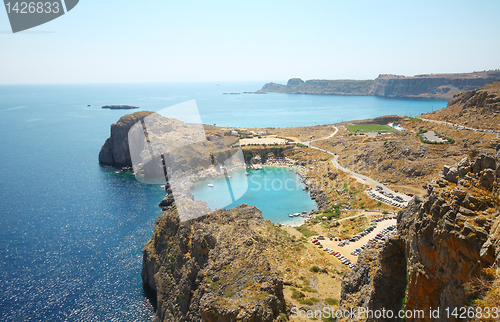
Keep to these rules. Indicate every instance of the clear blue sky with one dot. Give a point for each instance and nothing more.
(110, 41)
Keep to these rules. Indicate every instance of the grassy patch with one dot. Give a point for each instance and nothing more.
(306, 231)
(370, 128)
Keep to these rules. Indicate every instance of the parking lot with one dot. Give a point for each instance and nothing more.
(347, 249)
(399, 200)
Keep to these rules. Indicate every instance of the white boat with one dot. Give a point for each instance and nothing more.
(210, 185)
(247, 173)
(290, 215)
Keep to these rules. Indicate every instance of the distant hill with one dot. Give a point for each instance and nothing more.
(479, 108)
(427, 86)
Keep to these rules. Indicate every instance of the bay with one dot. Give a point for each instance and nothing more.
(73, 231)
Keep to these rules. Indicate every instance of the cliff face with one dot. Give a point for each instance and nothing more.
(115, 151)
(446, 243)
(430, 86)
(479, 108)
(379, 281)
(212, 268)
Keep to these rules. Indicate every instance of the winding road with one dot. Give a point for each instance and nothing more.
(460, 126)
(355, 175)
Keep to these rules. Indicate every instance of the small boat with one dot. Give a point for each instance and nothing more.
(247, 173)
(210, 185)
(290, 215)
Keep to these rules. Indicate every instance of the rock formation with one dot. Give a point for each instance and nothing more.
(479, 108)
(446, 241)
(115, 151)
(433, 85)
(212, 268)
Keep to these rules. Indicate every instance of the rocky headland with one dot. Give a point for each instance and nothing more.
(427, 86)
(115, 151)
(212, 268)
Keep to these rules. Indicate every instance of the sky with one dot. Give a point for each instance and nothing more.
(125, 41)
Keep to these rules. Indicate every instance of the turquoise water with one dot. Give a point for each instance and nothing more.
(72, 231)
(276, 191)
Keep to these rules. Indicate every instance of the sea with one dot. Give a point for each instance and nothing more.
(72, 231)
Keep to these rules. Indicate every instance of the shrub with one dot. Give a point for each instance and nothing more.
(331, 301)
(298, 295)
(314, 269)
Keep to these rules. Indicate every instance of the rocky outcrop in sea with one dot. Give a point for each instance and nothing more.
(115, 151)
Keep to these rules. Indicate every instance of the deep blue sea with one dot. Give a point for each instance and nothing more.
(72, 231)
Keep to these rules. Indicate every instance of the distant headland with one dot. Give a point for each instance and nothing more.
(387, 85)
(120, 107)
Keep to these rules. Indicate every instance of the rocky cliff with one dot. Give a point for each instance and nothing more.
(479, 108)
(322, 86)
(212, 268)
(430, 85)
(115, 151)
(446, 249)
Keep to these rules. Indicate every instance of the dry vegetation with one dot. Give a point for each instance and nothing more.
(312, 278)
(400, 159)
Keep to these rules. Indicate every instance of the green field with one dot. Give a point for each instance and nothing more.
(370, 128)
